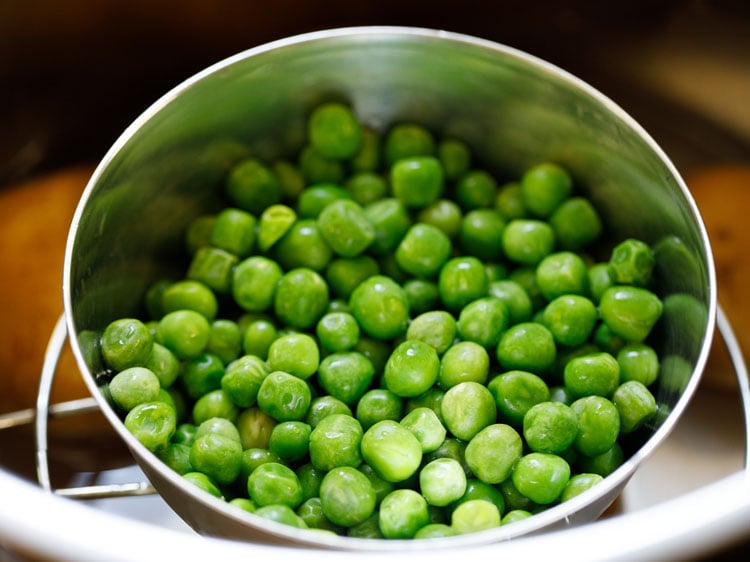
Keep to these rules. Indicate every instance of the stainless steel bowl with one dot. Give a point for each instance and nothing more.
(512, 108)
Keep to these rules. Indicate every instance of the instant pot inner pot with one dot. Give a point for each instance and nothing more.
(513, 111)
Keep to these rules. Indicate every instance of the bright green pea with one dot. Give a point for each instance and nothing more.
(303, 246)
(253, 186)
(126, 342)
(455, 158)
(346, 375)
(576, 224)
(258, 337)
(483, 321)
(334, 131)
(513, 498)
(290, 440)
(431, 399)
(412, 368)
(594, 373)
(254, 283)
(211, 267)
(435, 531)
(323, 406)
(177, 457)
(562, 273)
(273, 483)
(381, 307)
(281, 513)
(378, 404)
(234, 231)
(152, 423)
(550, 427)
(335, 441)
(630, 312)
(527, 241)
(405, 140)
(515, 392)
(527, 346)
(467, 408)
(311, 512)
(253, 457)
(346, 228)
(315, 198)
(570, 319)
(631, 263)
(337, 331)
(436, 328)
(214, 404)
(345, 274)
(638, 362)
(478, 490)
(544, 187)
(296, 354)
(391, 221)
(464, 361)
(423, 250)
(444, 214)
(185, 333)
(607, 340)
(225, 340)
(367, 187)
(368, 529)
(426, 426)
(185, 433)
(475, 189)
(417, 181)
(133, 386)
(255, 427)
(475, 515)
(217, 456)
(204, 483)
(202, 374)
(515, 515)
(598, 425)
(301, 298)
(274, 223)
(284, 397)
(442, 481)
(515, 297)
(461, 281)
(509, 201)
(481, 234)
(242, 380)
(599, 280)
(636, 405)
(244, 504)
(222, 426)
(347, 496)
(578, 484)
(541, 477)
(392, 451)
(493, 451)
(402, 513)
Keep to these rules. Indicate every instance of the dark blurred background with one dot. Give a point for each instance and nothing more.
(74, 74)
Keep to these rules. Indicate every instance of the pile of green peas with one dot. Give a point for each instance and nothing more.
(379, 339)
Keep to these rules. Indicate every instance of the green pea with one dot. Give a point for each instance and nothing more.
(562, 273)
(599, 280)
(405, 140)
(234, 231)
(202, 374)
(576, 224)
(258, 337)
(527, 241)
(435, 531)
(281, 513)
(515, 392)
(253, 457)
(475, 189)
(152, 423)
(301, 298)
(274, 223)
(284, 397)
(541, 477)
(455, 158)
(367, 187)
(346, 228)
(598, 425)
(214, 404)
(481, 234)
(337, 331)
(514, 500)
(483, 321)
(638, 362)
(444, 214)
(177, 457)
(222, 426)
(334, 131)
(412, 368)
(493, 451)
(570, 319)
(255, 427)
(184, 332)
(544, 187)
(525, 275)
(185, 433)
(475, 515)
(515, 515)
(347, 496)
(253, 186)
(592, 374)
(509, 201)
(290, 177)
(630, 312)
(198, 234)
(225, 340)
(126, 342)
(604, 463)
(368, 529)
(431, 399)
(254, 283)
(303, 246)
(467, 408)
(436, 328)
(323, 406)
(442, 481)
(346, 375)
(381, 307)
(464, 361)
(310, 479)
(515, 297)
(478, 490)
(335, 441)
(290, 440)
(607, 340)
(550, 427)
(213, 268)
(217, 456)
(133, 386)
(402, 513)
(527, 346)
(273, 483)
(578, 484)
(378, 404)
(317, 197)
(312, 514)
(345, 274)
(204, 483)
(391, 221)
(392, 451)
(423, 250)
(631, 263)
(461, 281)
(635, 404)
(422, 294)
(426, 426)
(296, 354)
